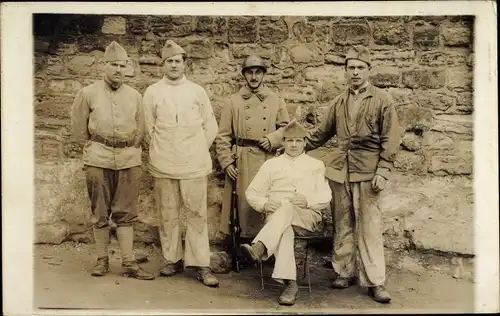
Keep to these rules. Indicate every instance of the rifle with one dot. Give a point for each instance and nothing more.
(234, 219)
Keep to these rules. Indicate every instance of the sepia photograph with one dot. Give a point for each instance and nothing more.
(255, 162)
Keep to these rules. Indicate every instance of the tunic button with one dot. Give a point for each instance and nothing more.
(263, 118)
(265, 129)
(247, 107)
(248, 117)
(264, 107)
(248, 128)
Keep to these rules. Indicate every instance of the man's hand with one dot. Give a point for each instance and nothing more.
(232, 172)
(378, 183)
(271, 206)
(299, 200)
(265, 143)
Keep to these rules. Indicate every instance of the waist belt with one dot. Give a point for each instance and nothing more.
(245, 142)
(112, 142)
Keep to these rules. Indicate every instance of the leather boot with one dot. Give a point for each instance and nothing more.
(133, 270)
(101, 267)
(207, 278)
(171, 269)
(253, 253)
(342, 283)
(290, 294)
(379, 294)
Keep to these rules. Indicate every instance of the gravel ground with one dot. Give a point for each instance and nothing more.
(62, 281)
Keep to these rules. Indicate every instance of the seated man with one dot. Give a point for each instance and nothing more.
(290, 190)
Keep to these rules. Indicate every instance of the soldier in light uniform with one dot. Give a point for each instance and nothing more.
(107, 120)
(253, 117)
(366, 124)
(291, 190)
(181, 127)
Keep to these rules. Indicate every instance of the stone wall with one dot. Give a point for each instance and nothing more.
(426, 64)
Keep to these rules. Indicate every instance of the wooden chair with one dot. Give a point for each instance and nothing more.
(307, 237)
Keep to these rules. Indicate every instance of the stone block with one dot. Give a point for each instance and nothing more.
(114, 25)
(457, 34)
(350, 34)
(400, 96)
(425, 36)
(304, 54)
(442, 165)
(335, 59)
(385, 78)
(458, 124)
(150, 60)
(415, 118)
(322, 32)
(66, 49)
(410, 162)
(328, 91)
(160, 24)
(460, 78)
(273, 31)
(220, 26)
(137, 24)
(437, 141)
(465, 103)
(393, 58)
(424, 78)
(431, 210)
(411, 142)
(242, 29)
(81, 65)
(304, 31)
(436, 100)
(244, 50)
(204, 24)
(298, 94)
(196, 47)
(390, 33)
(325, 73)
(64, 86)
(51, 233)
(48, 147)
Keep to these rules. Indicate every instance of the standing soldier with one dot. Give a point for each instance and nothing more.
(181, 127)
(253, 117)
(366, 124)
(107, 119)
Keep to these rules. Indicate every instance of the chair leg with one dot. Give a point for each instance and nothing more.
(305, 259)
(306, 267)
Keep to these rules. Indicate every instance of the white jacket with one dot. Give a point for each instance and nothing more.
(181, 127)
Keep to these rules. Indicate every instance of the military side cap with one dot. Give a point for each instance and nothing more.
(359, 52)
(171, 49)
(253, 61)
(295, 129)
(115, 52)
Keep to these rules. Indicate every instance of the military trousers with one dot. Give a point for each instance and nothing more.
(358, 248)
(177, 199)
(278, 237)
(113, 195)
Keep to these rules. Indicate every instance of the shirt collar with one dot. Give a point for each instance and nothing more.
(261, 92)
(288, 157)
(174, 82)
(360, 90)
(109, 87)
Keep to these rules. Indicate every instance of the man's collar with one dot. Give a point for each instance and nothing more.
(287, 156)
(261, 92)
(360, 90)
(174, 82)
(109, 86)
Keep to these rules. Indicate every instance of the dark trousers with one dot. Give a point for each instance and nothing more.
(113, 193)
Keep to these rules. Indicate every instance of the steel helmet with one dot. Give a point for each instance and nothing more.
(253, 61)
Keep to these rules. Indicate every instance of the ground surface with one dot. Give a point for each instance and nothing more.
(62, 280)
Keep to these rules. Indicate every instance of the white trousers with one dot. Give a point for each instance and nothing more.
(278, 237)
(190, 196)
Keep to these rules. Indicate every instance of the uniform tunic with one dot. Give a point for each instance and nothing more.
(368, 144)
(181, 127)
(112, 174)
(278, 180)
(247, 115)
